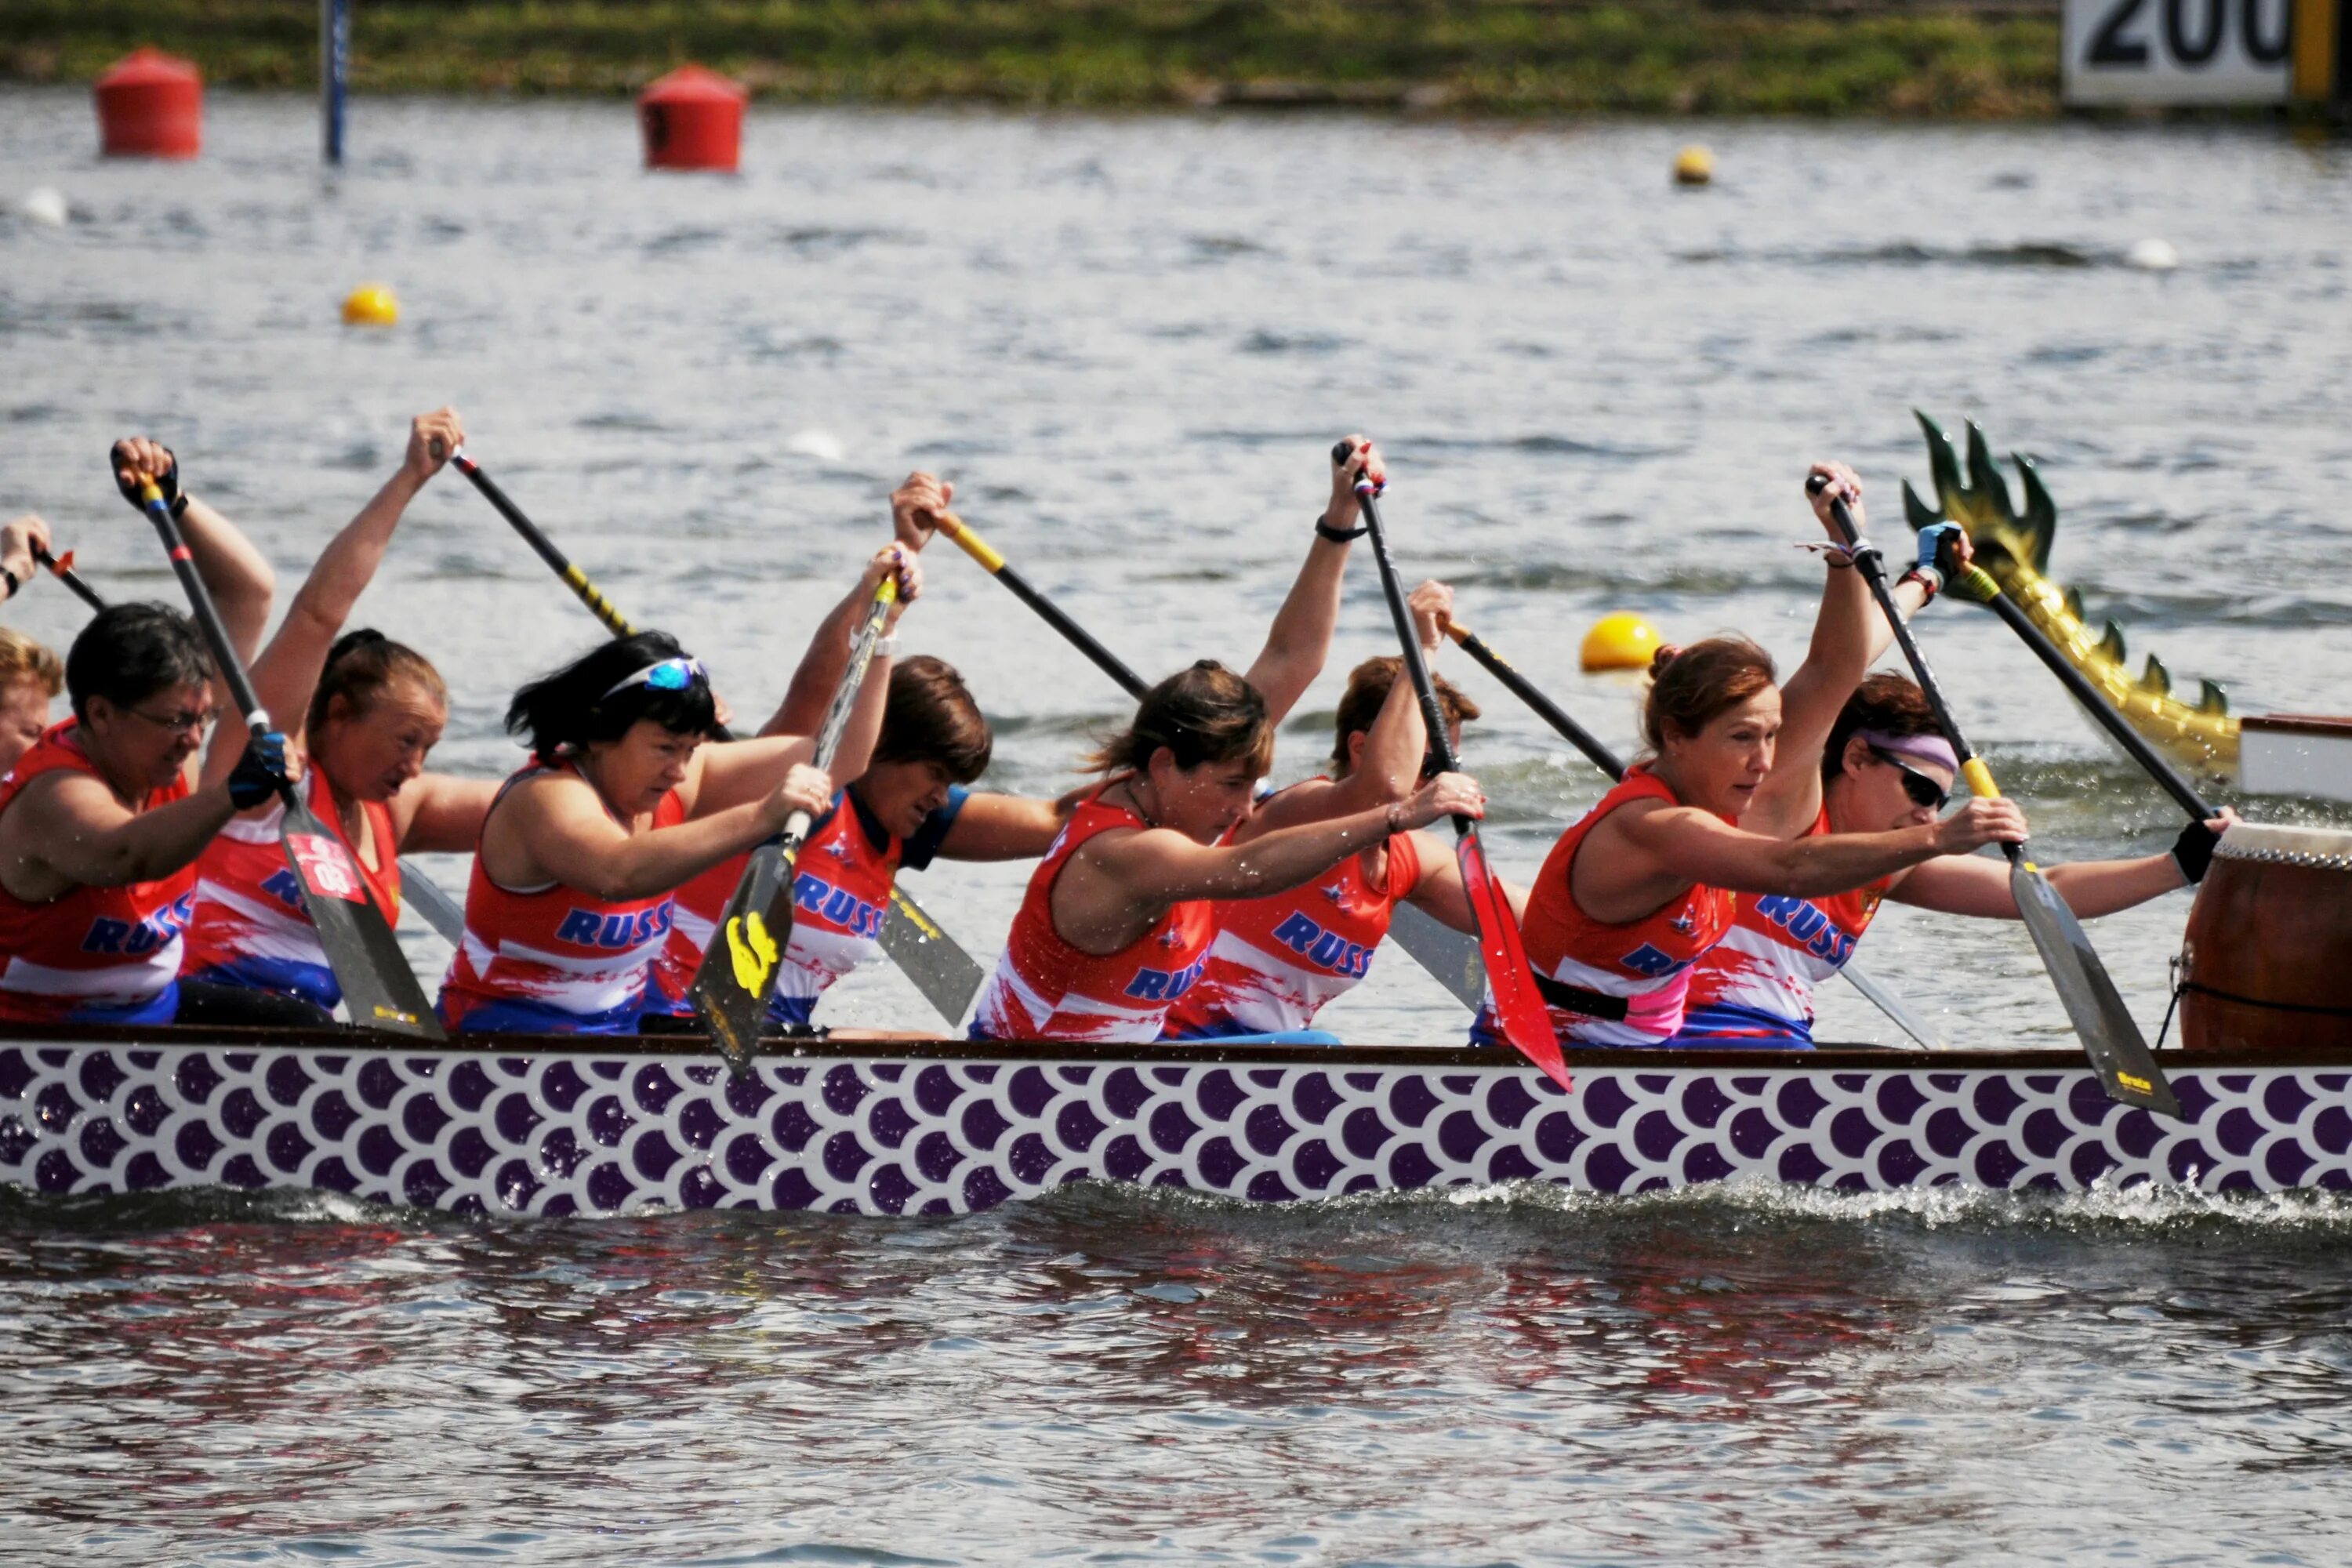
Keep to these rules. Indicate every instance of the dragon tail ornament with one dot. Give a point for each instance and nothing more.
(2015, 549)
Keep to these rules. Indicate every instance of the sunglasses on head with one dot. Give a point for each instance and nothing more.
(1921, 789)
(670, 675)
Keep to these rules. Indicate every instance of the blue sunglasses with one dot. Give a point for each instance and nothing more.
(670, 675)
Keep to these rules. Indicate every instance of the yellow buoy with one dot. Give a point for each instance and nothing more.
(370, 305)
(1619, 642)
(1693, 166)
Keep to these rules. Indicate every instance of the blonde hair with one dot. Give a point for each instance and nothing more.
(22, 659)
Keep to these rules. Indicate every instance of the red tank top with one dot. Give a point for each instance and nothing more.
(1758, 982)
(552, 959)
(1646, 962)
(93, 954)
(1045, 989)
(1276, 961)
(251, 926)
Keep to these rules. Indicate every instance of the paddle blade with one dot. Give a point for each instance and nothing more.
(1452, 957)
(1519, 1007)
(2110, 1039)
(942, 971)
(379, 988)
(1887, 1002)
(738, 973)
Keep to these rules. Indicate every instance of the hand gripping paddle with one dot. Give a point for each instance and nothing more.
(1519, 1006)
(379, 987)
(2112, 1041)
(738, 971)
(941, 970)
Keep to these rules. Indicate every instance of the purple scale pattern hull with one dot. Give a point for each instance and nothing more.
(582, 1128)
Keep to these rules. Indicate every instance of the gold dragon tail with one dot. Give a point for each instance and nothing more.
(2016, 550)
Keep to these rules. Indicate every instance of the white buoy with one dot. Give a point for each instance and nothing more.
(45, 206)
(822, 445)
(2152, 255)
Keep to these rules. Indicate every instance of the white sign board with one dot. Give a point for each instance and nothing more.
(2175, 51)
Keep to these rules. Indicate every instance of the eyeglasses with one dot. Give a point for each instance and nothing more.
(670, 675)
(1921, 789)
(186, 726)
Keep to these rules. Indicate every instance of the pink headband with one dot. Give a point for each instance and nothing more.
(1917, 748)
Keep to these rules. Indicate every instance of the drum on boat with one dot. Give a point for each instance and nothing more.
(2267, 959)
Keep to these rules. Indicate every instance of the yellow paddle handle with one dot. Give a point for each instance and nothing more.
(973, 545)
(886, 591)
(1979, 779)
(1458, 631)
(614, 622)
(149, 491)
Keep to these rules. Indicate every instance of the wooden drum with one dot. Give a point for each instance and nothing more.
(2267, 961)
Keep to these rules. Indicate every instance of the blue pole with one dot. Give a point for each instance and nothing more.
(335, 65)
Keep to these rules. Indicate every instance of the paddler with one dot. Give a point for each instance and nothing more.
(1644, 884)
(583, 852)
(101, 820)
(368, 711)
(30, 675)
(1861, 755)
(1276, 962)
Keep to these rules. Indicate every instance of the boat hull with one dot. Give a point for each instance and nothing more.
(550, 1126)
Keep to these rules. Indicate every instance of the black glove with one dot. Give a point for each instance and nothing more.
(260, 773)
(2193, 850)
(168, 481)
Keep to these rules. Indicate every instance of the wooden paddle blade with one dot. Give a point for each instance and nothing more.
(380, 989)
(1446, 953)
(2110, 1039)
(942, 971)
(738, 973)
(1519, 1007)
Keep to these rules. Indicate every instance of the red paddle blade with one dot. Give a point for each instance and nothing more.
(1519, 1006)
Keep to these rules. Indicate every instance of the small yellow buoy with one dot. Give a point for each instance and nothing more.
(370, 305)
(1620, 641)
(1693, 166)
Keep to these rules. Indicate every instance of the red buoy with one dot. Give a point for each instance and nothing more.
(151, 105)
(693, 120)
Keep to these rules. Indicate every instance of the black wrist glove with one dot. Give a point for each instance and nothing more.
(2193, 851)
(260, 773)
(168, 481)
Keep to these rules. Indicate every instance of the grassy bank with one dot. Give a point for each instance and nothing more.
(1978, 58)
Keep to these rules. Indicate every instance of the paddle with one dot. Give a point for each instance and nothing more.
(2110, 1039)
(941, 970)
(738, 971)
(1977, 585)
(1519, 1007)
(378, 986)
(1446, 954)
(62, 568)
(440, 910)
(1606, 761)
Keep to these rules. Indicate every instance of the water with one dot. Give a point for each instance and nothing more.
(1129, 341)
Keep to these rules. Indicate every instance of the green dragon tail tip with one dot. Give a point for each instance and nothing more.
(1920, 512)
(2111, 646)
(2040, 524)
(2212, 700)
(2156, 679)
(2074, 603)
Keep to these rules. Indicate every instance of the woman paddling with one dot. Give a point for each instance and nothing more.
(101, 819)
(1116, 924)
(1865, 756)
(1276, 962)
(371, 709)
(582, 851)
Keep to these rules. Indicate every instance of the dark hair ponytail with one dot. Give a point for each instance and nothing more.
(568, 707)
(360, 665)
(1886, 703)
(130, 651)
(1205, 714)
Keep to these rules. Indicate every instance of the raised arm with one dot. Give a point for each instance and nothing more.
(19, 539)
(1300, 639)
(238, 574)
(914, 508)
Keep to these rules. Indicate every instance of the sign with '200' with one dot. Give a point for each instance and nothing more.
(2175, 51)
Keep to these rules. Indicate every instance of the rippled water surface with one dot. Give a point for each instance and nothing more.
(1129, 342)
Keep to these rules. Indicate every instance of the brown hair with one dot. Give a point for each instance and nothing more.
(1369, 685)
(1205, 714)
(930, 717)
(358, 669)
(1885, 701)
(1691, 687)
(22, 659)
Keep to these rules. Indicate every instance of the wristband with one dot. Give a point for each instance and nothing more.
(179, 507)
(1339, 535)
(1930, 580)
(886, 648)
(14, 582)
(2193, 851)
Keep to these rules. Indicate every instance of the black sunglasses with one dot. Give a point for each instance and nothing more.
(1922, 789)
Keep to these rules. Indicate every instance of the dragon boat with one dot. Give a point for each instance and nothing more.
(877, 1124)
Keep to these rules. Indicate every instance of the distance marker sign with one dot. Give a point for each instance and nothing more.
(2165, 52)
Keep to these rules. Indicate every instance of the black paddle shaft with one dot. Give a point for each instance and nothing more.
(2092, 698)
(69, 577)
(1104, 660)
(1417, 668)
(1550, 713)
